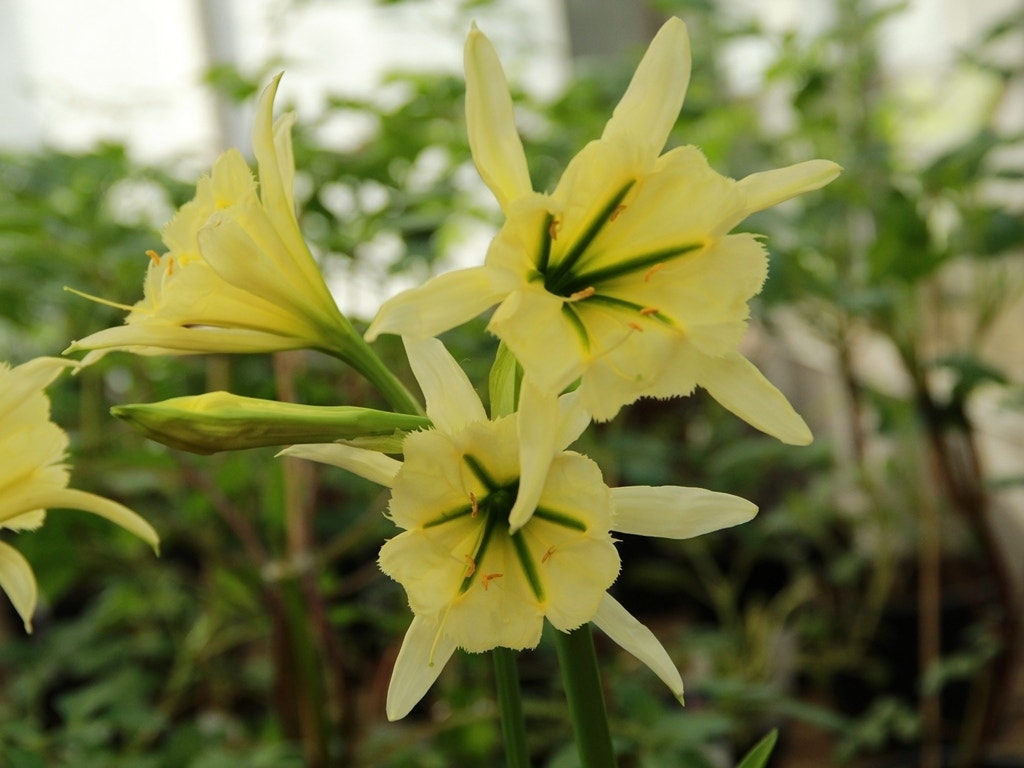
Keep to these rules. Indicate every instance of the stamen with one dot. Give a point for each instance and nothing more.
(487, 578)
(615, 214)
(476, 507)
(547, 555)
(586, 293)
(471, 564)
(649, 311)
(170, 267)
(650, 272)
(553, 228)
(153, 256)
(635, 326)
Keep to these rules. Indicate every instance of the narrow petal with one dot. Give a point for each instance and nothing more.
(18, 581)
(425, 650)
(677, 513)
(538, 435)
(441, 303)
(452, 402)
(616, 622)
(651, 104)
(490, 121)
(768, 188)
(573, 420)
(737, 385)
(70, 498)
(273, 184)
(375, 467)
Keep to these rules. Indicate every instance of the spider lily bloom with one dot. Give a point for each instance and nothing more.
(475, 581)
(237, 275)
(33, 476)
(625, 276)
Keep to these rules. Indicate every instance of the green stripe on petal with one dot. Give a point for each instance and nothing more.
(672, 512)
(616, 622)
(528, 565)
(18, 581)
(425, 650)
(560, 518)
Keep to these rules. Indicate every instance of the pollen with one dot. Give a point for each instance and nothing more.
(553, 228)
(615, 214)
(170, 267)
(153, 256)
(635, 326)
(586, 293)
(651, 272)
(649, 311)
(473, 503)
(487, 578)
(470, 566)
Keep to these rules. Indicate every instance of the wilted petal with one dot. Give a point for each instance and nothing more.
(425, 650)
(677, 513)
(490, 121)
(655, 95)
(375, 467)
(441, 303)
(452, 402)
(18, 581)
(616, 622)
(737, 385)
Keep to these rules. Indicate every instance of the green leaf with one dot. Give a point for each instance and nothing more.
(758, 756)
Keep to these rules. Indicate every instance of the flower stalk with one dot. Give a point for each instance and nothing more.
(578, 662)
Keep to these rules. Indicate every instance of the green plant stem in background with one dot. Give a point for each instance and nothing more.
(578, 660)
(513, 727)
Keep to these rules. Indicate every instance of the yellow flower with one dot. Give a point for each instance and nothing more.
(237, 275)
(625, 276)
(475, 579)
(33, 476)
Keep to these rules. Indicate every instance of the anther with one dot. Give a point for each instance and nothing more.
(487, 578)
(547, 555)
(553, 228)
(170, 266)
(649, 311)
(586, 293)
(615, 214)
(471, 565)
(473, 503)
(635, 326)
(153, 256)
(650, 272)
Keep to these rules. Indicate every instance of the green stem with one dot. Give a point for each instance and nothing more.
(578, 660)
(357, 353)
(513, 727)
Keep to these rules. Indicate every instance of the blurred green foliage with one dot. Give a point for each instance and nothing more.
(209, 655)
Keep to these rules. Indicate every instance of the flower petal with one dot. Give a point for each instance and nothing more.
(737, 385)
(538, 434)
(18, 581)
(70, 498)
(490, 121)
(768, 188)
(616, 622)
(672, 512)
(425, 650)
(375, 467)
(655, 95)
(572, 420)
(452, 402)
(441, 303)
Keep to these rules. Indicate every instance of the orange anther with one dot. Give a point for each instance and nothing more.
(649, 311)
(547, 555)
(170, 266)
(487, 578)
(471, 565)
(652, 270)
(586, 293)
(615, 214)
(153, 256)
(476, 507)
(635, 326)
(553, 228)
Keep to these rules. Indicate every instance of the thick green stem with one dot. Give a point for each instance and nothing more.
(360, 356)
(513, 727)
(578, 660)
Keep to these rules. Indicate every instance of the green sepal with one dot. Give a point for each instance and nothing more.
(221, 421)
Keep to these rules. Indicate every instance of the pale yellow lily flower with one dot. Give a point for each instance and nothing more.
(237, 275)
(477, 581)
(33, 476)
(624, 277)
